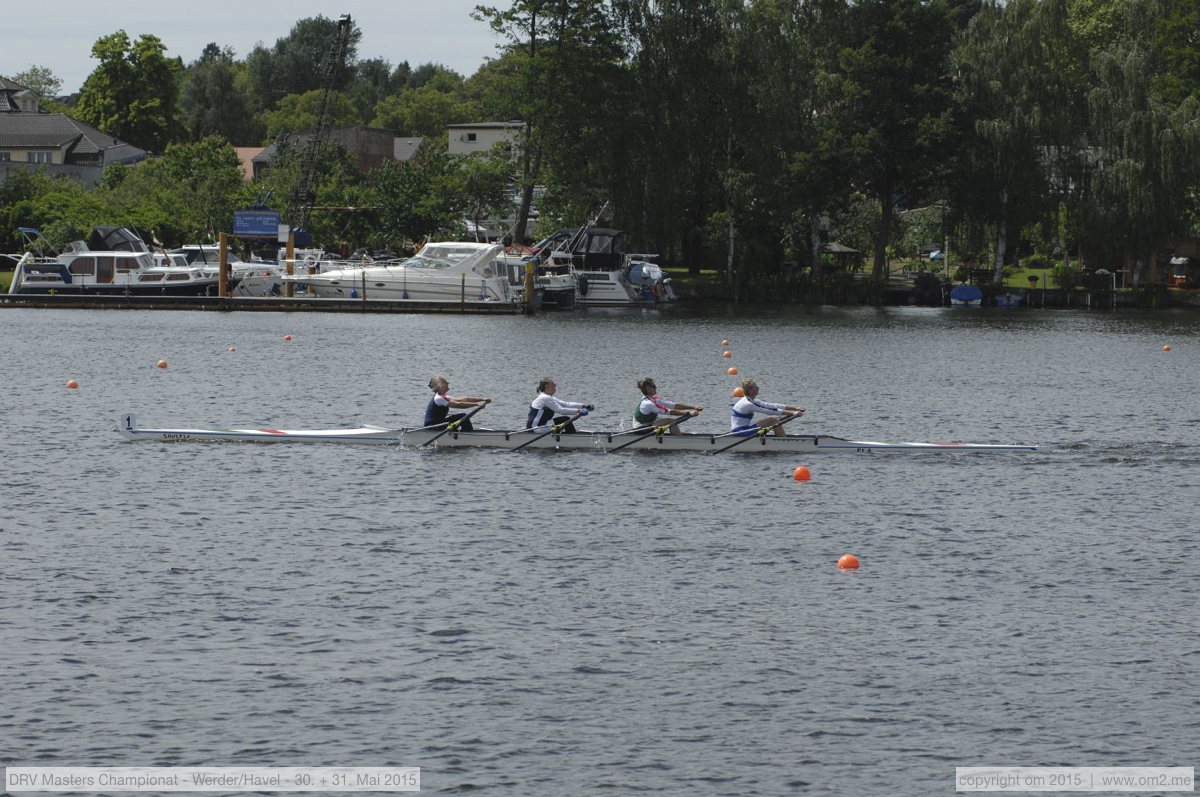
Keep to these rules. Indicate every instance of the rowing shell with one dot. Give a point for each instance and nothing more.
(595, 441)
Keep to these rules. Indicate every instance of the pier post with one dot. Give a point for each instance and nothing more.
(289, 288)
(530, 298)
(223, 266)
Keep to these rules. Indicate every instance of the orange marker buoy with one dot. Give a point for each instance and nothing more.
(287, 337)
(732, 372)
(233, 348)
(727, 353)
(801, 474)
(161, 363)
(724, 343)
(737, 391)
(1166, 348)
(848, 562)
(72, 384)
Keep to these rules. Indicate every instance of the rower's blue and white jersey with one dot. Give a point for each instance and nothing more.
(745, 408)
(437, 410)
(543, 409)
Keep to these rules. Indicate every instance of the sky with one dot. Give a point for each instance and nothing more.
(417, 31)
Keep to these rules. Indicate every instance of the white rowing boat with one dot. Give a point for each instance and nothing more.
(525, 438)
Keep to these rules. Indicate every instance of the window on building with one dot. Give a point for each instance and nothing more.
(37, 157)
(470, 136)
(5, 156)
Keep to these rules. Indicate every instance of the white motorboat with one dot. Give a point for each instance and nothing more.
(643, 439)
(129, 271)
(443, 271)
(606, 274)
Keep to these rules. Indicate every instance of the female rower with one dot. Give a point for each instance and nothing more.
(438, 411)
(546, 409)
(653, 405)
(749, 405)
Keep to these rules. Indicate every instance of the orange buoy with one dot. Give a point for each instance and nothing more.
(233, 348)
(161, 363)
(287, 337)
(1166, 348)
(72, 384)
(738, 392)
(732, 372)
(801, 474)
(848, 562)
(724, 343)
(727, 353)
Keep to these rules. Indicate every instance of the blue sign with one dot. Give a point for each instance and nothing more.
(256, 222)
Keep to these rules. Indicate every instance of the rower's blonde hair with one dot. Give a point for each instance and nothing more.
(437, 381)
(748, 383)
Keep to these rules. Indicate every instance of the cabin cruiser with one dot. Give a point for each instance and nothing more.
(441, 271)
(114, 261)
(606, 274)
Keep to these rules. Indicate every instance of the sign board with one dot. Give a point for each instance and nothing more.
(256, 223)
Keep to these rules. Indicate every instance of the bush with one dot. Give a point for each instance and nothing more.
(1037, 261)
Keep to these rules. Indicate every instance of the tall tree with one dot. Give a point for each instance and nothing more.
(132, 94)
(294, 64)
(214, 101)
(1020, 105)
(894, 104)
(39, 79)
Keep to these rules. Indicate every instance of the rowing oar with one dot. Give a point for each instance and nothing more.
(453, 425)
(558, 427)
(759, 434)
(656, 431)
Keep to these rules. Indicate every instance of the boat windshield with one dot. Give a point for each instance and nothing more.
(423, 261)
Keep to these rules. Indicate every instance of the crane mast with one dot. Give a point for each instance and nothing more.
(306, 185)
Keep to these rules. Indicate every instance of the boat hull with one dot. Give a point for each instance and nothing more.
(514, 439)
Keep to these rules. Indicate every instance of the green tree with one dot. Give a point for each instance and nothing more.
(1020, 102)
(39, 79)
(420, 112)
(298, 113)
(132, 94)
(893, 104)
(419, 197)
(214, 101)
(296, 63)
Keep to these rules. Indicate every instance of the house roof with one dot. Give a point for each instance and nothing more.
(56, 130)
(487, 125)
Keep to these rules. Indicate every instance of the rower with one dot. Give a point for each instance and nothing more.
(546, 408)
(741, 419)
(653, 405)
(438, 411)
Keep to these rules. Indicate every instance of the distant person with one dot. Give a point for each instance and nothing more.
(438, 411)
(653, 406)
(741, 419)
(546, 410)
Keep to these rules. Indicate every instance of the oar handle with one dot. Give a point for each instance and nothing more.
(761, 432)
(453, 425)
(558, 427)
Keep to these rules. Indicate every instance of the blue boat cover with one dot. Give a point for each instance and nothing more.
(966, 293)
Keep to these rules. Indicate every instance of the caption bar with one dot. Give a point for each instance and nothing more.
(222, 779)
(1110, 779)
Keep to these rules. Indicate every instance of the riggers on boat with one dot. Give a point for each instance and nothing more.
(646, 439)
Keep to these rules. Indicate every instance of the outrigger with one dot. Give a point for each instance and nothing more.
(647, 439)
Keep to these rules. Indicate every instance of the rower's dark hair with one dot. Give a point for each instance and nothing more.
(545, 380)
(645, 382)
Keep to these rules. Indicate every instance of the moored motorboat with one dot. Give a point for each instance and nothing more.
(628, 440)
(442, 271)
(124, 268)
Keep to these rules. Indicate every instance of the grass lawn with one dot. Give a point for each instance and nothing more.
(5, 279)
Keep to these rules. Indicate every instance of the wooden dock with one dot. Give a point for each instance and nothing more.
(269, 304)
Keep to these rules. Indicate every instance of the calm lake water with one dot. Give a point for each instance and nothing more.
(553, 623)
